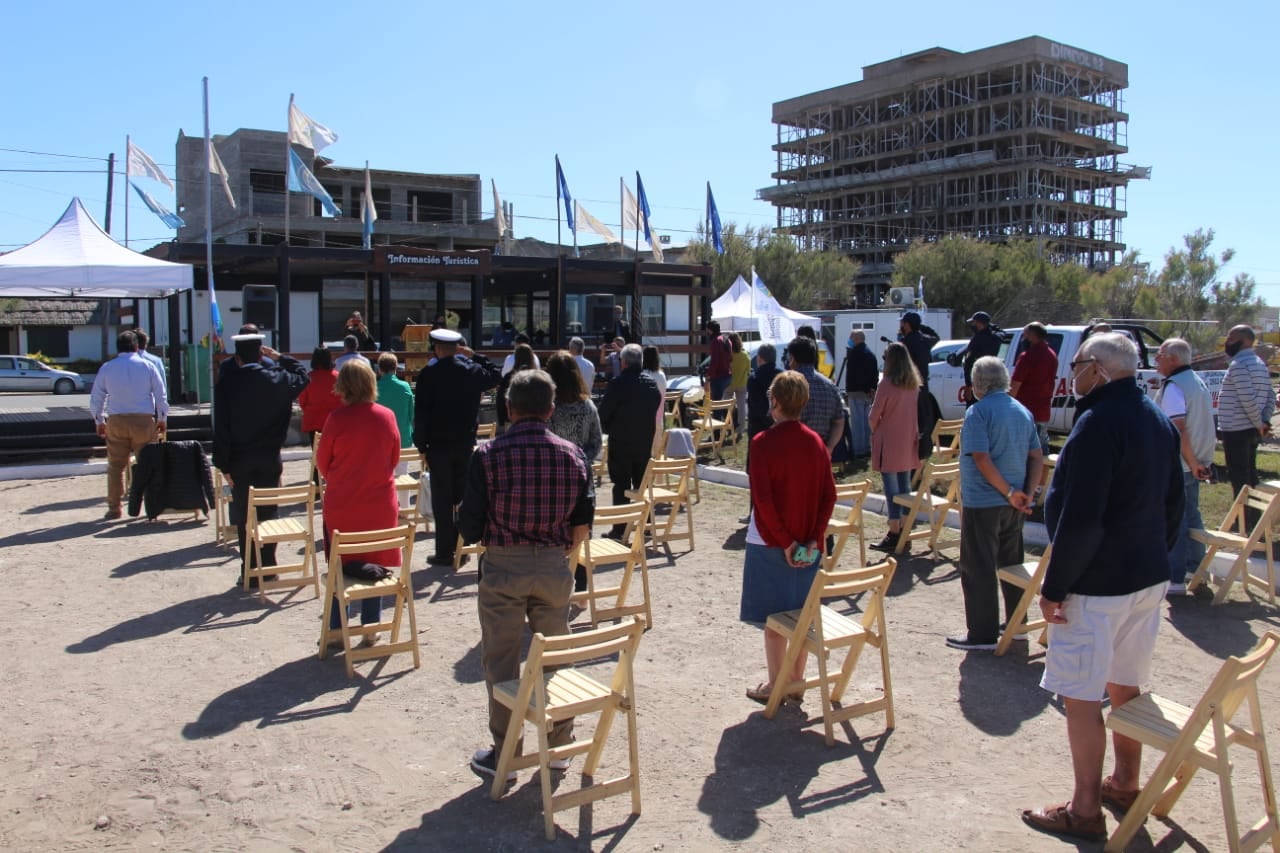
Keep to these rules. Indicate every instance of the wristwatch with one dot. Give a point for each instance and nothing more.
(1010, 494)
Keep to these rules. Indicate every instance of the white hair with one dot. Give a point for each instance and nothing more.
(1115, 353)
(1178, 349)
(989, 374)
(632, 355)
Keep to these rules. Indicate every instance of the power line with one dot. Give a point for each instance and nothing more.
(51, 154)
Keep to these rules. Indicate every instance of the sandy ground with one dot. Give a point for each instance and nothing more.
(144, 692)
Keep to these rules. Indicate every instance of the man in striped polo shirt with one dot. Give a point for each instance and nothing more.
(1245, 406)
(529, 498)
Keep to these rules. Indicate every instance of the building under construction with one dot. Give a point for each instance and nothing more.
(1020, 140)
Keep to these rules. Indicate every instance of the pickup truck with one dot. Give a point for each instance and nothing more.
(946, 381)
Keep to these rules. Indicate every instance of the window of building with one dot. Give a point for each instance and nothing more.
(267, 187)
(653, 314)
(53, 341)
(335, 193)
(428, 206)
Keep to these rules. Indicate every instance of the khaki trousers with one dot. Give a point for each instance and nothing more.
(126, 435)
(519, 582)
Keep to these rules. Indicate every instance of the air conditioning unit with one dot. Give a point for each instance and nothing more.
(902, 297)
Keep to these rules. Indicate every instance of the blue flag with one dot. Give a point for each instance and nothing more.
(713, 221)
(169, 218)
(562, 192)
(644, 207)
(301, 180)
(215, 317)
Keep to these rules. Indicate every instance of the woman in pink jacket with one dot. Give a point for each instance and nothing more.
(894, 434)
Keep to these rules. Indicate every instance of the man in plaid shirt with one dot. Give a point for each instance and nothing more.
(529, 497)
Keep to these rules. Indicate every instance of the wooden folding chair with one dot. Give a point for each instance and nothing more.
(224, 532)
(666, 483)
(347, 590)
(680, 443)
(714, 427)
(1198, 739)
(1026, 576)
(818, 630)
(409, 483)
(1046, 478)
(671, 409)
(600, 467)
(551, 689)
(280, 531)
(484, 433)
(1242, 543)
(847, 522)
(627, 552)
(314, 473)
(944, 477)
(943, 450)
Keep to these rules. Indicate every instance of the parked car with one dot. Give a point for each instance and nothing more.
(18, 373)
(942, 349)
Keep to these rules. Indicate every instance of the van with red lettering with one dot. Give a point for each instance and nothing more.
(946, 380)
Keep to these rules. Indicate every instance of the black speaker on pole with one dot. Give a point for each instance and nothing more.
(260, 305)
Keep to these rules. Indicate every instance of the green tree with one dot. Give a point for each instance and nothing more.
(959, 273)
(1189, 289)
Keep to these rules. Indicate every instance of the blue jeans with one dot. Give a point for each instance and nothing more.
(859, 409)
(719, 387)
(895, 483)
(370, 612)
(1186, 554)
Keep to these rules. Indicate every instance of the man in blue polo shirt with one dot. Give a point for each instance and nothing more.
(999, 469)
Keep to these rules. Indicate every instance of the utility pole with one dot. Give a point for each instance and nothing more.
(111, 174)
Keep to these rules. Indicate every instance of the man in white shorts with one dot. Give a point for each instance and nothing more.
(1113, 512)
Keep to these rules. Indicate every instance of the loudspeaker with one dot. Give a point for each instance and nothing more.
(259, 304)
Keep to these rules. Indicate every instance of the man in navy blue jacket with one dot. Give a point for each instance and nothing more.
(1112, 512)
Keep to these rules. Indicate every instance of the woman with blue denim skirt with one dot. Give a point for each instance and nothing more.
(895, 432)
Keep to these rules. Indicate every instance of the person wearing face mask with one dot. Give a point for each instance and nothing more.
(984, 341)
(1112, 513)
(919, 340)
(1245, 406)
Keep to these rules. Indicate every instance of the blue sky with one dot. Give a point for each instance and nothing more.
(680, 91)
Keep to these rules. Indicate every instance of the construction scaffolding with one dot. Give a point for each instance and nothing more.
(1020, 140)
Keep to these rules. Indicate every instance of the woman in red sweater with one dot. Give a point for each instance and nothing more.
(317, 399)
(792, 493)
(358, 453)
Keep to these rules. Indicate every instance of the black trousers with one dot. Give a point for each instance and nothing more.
(448, 479)
(264, 472)
(625, 474)
(1240, 447)
(989, 538)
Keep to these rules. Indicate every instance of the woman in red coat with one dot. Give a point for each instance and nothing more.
(792, 495)
(358, 453)
(317, 399)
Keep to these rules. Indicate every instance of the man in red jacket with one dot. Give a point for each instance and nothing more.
(1034, 374)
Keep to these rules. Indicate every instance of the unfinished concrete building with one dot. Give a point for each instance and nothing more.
(1020, 140)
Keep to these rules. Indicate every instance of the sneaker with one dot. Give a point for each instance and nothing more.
(1022, 633)
(962, 642)
(113, 513)
(1177, 589)
(485, 761)
(560, 763)
(744, 519)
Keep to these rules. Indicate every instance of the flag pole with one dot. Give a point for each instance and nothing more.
(706, 218)
(559, 246)
(288, 150)
(208, 236)
(622, 219)
(127, 147)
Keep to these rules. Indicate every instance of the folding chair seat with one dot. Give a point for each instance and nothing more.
(1199, 738)
(486, 432)
(666, 483)
(818, 630)
(846, 522)
(552, 689)
(1242, 543)
(946, 445)
(1026, 576)
(348, 590)
(925, 503)
(627, 552)
(278, 531)
(224, 532)
(409, 484)
(714, 425)
(671, 409)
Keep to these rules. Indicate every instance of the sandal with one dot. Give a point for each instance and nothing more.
(1116, 798)
(760, 693)
(1060, 820)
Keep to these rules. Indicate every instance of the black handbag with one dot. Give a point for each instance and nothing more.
(367, 572)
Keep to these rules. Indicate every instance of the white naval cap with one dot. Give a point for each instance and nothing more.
(445, 336)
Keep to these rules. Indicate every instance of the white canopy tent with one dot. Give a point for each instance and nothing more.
(743, 308)
(77, 258)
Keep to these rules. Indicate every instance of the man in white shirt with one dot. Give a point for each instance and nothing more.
(351, 350)
(155, 360)
(577, 346)
(130, 409)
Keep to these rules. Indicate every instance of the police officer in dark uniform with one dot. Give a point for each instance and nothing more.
(252, 407)
(985, 341)
(446, 409)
